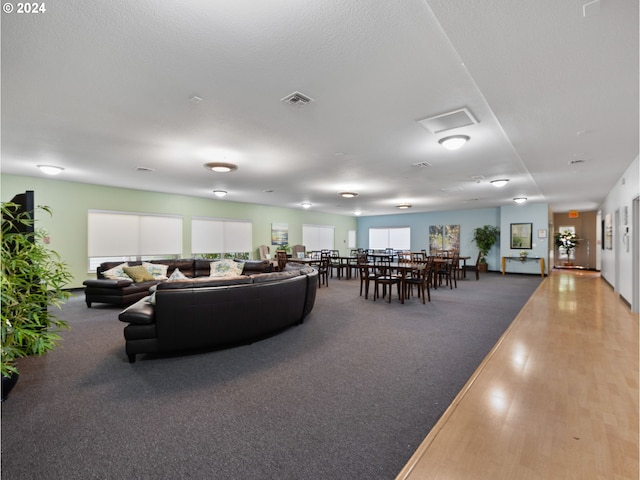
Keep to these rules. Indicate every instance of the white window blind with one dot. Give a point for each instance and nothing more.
(352, 239)
(114, 234)
(318, 237)
(398, 238)
(213, 235)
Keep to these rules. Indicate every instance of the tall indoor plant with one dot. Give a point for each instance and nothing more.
(32, 278)
(485, 237)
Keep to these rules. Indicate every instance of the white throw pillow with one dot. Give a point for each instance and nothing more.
(117, 273)
(225, 268)
(158, 271)
(177, 275)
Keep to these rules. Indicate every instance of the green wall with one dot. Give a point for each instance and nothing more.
(70, 202)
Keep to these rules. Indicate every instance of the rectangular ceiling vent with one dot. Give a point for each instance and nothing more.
(448, 121)
(421, 164)
(297, 99)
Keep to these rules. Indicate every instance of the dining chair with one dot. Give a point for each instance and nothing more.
(386, 277)
(336, 264)
(421, 278)
(297, 249)
(474, 268)
(445, 269)
(323, 269)
(367, 274)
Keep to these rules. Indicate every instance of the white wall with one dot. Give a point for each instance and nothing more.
(617, 264)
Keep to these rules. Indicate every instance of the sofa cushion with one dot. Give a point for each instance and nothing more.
(270, 277)
(177, 276)
(117, 272)
(158, 270)
(225, 268)
(204, 282)
(138, 273)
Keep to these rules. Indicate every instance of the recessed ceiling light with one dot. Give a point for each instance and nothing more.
(520, 199)
(404, 206)
(348, 194)
(50, 169)
(453, 142)
(357, 213)
(219, 193)
(306, 205)
(222, 167)
(499, 183)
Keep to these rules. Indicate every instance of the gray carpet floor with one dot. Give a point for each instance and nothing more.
(349, 394)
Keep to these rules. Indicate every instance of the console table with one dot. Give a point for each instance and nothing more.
(525, 259)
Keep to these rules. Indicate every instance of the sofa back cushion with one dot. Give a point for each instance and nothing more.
(202, 282)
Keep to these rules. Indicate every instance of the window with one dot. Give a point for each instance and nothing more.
(221, 238)
(318, 237)
(397, 238)
(351, 243)
(114, 236)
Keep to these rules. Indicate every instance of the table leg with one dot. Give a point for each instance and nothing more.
(542, 267)
(504, 264)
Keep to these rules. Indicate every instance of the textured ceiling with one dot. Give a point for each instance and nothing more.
(103, 88)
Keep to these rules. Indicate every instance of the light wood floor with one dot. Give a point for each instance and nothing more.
(556, 398)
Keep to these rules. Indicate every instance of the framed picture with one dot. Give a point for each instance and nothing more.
(521, 235)
(542, 233)
(279, 233)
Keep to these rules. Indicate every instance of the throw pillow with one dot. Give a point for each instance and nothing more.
(225, 268)
(117, 273)
(158, 271)
(138, 273)
(177, 275)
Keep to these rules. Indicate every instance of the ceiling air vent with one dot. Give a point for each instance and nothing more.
(448, 121)
(297, 99)
(421, 164)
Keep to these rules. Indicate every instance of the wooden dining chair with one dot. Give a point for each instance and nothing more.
(474, 268)
(446, 270)
(367, 274)
(386, 277)
(421, 278)
(323, 267)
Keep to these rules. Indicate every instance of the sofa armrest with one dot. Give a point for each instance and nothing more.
(107, 283)
(140, 313)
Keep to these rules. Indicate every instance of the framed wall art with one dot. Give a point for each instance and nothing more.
(521, 235)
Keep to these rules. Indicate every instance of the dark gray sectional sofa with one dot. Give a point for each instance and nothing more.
(204, 313)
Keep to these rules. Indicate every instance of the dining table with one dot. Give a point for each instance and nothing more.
(403, 268)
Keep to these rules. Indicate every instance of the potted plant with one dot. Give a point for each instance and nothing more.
(568, 241)
(32, 278)
(485, 237)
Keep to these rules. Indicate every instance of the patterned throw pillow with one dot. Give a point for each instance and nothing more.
(225, 268)
(158, 271)
(177, 275)
(117, 273)
(138, 274)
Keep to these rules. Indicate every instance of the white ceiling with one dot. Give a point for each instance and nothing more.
(101, 88)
